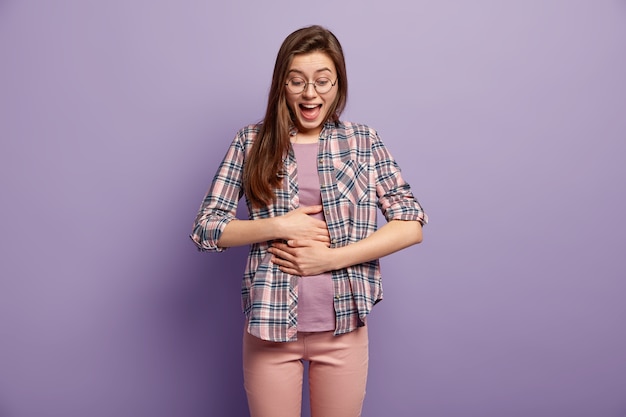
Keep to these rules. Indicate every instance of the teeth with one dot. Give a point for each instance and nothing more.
(309, 106)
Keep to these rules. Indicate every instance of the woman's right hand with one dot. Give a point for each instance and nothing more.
(299, 225)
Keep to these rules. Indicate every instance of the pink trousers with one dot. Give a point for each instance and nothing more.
(273, 374)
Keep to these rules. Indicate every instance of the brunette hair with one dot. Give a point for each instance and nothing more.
(264, 164)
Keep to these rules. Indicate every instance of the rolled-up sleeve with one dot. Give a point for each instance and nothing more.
(395, 198)
(219, 206)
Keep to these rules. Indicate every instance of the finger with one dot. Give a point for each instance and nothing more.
(282, 250)
(311, 209)
(321, 224)
(308, 243)
(324, 230)
(290, 271)
(286, 266)
(301, 243)
(317, 241)
(287, 253)
(282, 262)
(322, 238)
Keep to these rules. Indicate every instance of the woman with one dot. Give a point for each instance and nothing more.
(312, 185)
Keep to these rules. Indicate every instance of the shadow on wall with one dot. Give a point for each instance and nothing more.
(203, 298)
(3, 410)
(203, 303)
(215, 291)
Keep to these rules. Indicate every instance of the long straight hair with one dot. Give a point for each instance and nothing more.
(264, 164)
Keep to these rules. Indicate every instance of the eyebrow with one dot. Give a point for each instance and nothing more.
(316, 71)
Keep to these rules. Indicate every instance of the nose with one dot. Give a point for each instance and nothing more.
(309, 90)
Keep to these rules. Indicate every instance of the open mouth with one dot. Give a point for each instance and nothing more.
(310, 111)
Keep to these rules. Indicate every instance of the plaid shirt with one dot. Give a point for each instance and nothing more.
(357, 175)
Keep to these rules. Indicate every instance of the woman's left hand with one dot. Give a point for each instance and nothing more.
(302, 257)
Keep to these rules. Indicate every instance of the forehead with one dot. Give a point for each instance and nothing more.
(312, 63)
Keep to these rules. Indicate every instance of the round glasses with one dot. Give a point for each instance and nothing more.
(297, 85)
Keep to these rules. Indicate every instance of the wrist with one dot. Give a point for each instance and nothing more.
(277, 227)
(335, 259)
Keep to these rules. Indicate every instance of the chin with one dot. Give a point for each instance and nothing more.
(312, 125)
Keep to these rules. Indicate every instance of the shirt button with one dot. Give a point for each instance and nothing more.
(337, 297)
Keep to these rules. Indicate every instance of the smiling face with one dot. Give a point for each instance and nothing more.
(309, 107)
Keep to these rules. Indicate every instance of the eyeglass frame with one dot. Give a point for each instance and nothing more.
(306, 84)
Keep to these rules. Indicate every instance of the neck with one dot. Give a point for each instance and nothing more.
(308, 137)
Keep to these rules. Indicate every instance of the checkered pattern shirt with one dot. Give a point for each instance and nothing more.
(357, 175)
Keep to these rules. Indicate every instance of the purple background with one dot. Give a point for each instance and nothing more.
(508, 118)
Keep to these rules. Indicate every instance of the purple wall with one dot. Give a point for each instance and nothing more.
(508, 118)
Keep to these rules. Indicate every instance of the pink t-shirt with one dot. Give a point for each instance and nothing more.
(316, 312)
